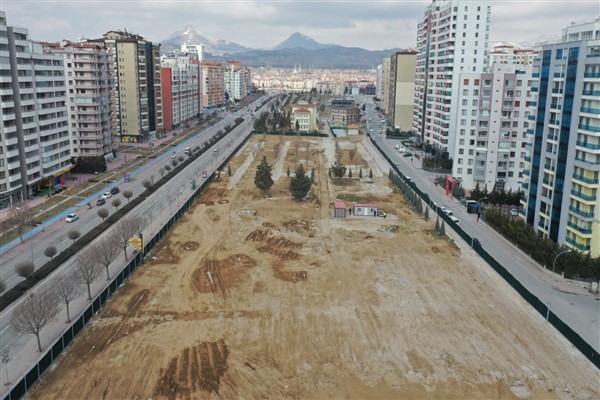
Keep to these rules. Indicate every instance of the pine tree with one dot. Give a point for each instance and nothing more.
(300, 183)
(338, 169)
(443, 228)
(426, 213)
(360, 173)
(437, 224)
(288, 171)
(370, 174)
(263, 179)
(350, 173)
(229, 169)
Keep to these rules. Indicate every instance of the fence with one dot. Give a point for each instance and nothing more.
(26, 381)
(572, 336)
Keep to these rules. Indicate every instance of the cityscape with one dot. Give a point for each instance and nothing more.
(412, 213)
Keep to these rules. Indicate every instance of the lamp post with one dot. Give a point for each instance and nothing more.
(562, 252)
(43, 227)
(30, 232)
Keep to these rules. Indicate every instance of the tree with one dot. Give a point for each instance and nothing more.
(288, 171)
(443, 228)
(73, 234)
(437, 223)
(105, 252)
(24, 269)
(67, 290)
(50, 252)
(126, 228)
(87, 269)
(312, 174)
(180, 158)
(147, 184)
(174, 163)
(18, 218)
(297, 126)
(360, 173)
(426, 213)
(168, 167)
(350, 173)
(338, 169)
(116, 203)
(263, 179)
(34, 313)
(229, 169)
(102, 213)
(162, 171)
(300, 184)
(127, 194)
(370, 173)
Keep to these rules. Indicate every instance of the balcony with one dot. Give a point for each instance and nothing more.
(591, 93)
(581, 213)
(554, 122)
(556, 91)
(592, 181)
(527, 172)
(579, 246)
(556, 106)
(589, 127)
(530, 131)
(528, 159)
(591, 75)
(531, 117)
(581, 195)
(590, 110)
(535, 75)
(589, 145)
(535, 89)
(522, 211)
(585, 231)
(559, 74)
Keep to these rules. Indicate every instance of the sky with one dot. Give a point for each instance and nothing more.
(370, 24)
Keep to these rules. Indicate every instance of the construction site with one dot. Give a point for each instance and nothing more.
(259, 296)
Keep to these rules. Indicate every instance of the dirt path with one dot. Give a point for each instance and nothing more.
(268, 298)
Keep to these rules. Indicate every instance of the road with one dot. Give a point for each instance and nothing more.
(158, 208)
(579, 310)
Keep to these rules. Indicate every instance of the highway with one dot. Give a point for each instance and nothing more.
(579, 310)
(158, 208)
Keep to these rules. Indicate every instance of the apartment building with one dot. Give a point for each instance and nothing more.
(452, 37)
(197, 50)
(213, 87)
(510, 53)
(34, 134)
(564, 178)
(180, 79)
(378, 85)
(304, 116)
(88, 88)
(238, 80)
(400, 89)
(136, 92)
(385, 82)
(344, 112)
(492, 114)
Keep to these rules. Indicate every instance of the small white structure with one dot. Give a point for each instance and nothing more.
(365, 209)
(353, 130)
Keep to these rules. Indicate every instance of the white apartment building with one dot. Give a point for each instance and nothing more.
(510, 53)
(88, 100)
(197, 50)
(238, 80)
(492, 122)
(385, 84)
(378, 92)
(181, 88)
(34, 134)
(452, 37)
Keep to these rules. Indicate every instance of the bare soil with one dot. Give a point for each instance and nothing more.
(254, 297)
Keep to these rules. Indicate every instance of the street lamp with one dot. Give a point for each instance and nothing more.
(30, 232)
(562, 252)
(43, 227)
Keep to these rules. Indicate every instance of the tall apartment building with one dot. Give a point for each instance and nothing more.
(385, 82)
(492, 114)
(401, 88)
(136, 94)
(34, 134)
(180, 79)
(88, 100)
(197, 50)
(563, 200)
(452, 37)
(238, 80)
(379, 83)
(213, 85)
(510, 53)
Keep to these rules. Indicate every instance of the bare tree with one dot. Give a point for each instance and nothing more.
(34, 313)
(127, 194)
(127, 228)
(180, 158)
(161, 171)
(5, 358)
(102, 213)
(87, 269)
(73, 234)
(106, 252)
(18, 218)
(168, 167)
(50, 252)
(147, 184)
(116, 203)
(24, 269)
(68, 289)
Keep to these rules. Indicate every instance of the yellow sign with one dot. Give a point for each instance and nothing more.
(137, 243)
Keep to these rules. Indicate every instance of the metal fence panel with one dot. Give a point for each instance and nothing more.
(45, 362)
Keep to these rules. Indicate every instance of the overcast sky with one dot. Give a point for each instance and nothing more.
(370, 24)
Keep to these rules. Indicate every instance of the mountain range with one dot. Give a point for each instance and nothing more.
(298, 49)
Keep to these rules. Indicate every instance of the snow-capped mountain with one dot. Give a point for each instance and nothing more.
(191, 35)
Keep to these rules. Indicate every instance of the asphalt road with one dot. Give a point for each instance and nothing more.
(578, 310)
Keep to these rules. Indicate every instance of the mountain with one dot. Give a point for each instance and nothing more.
(298, 40)
(190, 35)
(538, 41)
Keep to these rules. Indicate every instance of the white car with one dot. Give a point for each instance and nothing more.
(454, 219)
(514, 212)
(447, 211)
(106, 195)
(71, 218)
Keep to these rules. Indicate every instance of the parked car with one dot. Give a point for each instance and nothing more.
(71, 218)
(454, 219)
(408, 154)
(173, 155)
(187, 150)
(514, 212)
(115, 190)
(106, 195)
(380, 214)
(100, 202)
(447, 211)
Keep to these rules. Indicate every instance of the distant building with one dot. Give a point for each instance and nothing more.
(344, 112)
(378, 92)
(385, 81)
(353, 130)
(238, 80)
(509, 53)
(136, 93)
(197, 50)
(88, 85)
(34, 134)
(180, 86)
(213, 87)
(305, 115)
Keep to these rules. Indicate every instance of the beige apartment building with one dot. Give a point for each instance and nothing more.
(136, 94)
(401, 88)
(213, 88)
(88, 88)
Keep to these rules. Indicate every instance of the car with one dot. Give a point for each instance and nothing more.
(454, 219)
(173, 155)
(402, 150)
(514, 212)
(106, 195)
(100, 202)
(187, 150)
(371, 130)
(381, 214)
(71, 218)
(408, 154)
(115, 190)
(447, 211)
(398, 146)
(408, 178)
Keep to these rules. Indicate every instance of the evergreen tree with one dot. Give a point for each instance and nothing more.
(360, 173)
(437, 224)
(443, 228)
(288, 171)
(300, 183)
(263, 179)
(229, 169)
(350, 173)
(338, 169)
(426, 213)
(370, 174)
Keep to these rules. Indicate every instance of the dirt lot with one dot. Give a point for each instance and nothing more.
(267, 298)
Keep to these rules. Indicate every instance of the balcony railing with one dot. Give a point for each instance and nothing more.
(591, 75)
(590, 127)
(531, 117)
(581, 195)
(527, 172)
(582, 247)
(582, 213)
(557, 91)
(522, 211)
(528, 159)
(590, 110)
(556, 106)
(591, 92)
(554, 122)
(535, 89)
(579, 228)
(535, 75)
(593, 181)
(530, 131)
(589, 145)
